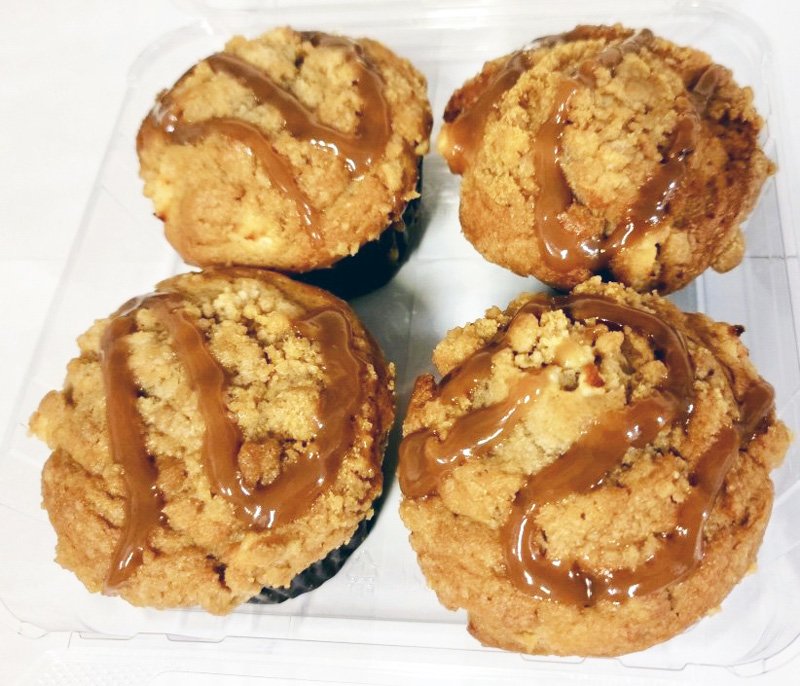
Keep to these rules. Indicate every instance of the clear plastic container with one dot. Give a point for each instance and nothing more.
(379, 606)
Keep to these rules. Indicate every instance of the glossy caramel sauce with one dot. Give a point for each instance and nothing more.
(652, 203)
(358, 151)
(562, 249)
(464, 124)
(756, 405)
(466, 128)
(126, 439)
(261, 506)
(756, 402)
(426, 458)
(276, 167)
(560, 246)
(582, 468)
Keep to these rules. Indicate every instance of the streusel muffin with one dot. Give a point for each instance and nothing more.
(606, 151)
(289, 151)
(220, 435)
(591, 474)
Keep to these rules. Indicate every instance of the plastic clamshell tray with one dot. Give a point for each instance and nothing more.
(380, 601)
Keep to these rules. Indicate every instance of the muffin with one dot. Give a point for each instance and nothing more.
(220, 435)
(591, 474)
(604, 151)
(290, 151)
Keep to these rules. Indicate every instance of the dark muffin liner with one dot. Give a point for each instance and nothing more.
(318, 573)
(375, 263)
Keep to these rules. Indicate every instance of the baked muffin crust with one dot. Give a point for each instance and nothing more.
(230, 375)
(287, 151)
(605, 150)
(556, 480)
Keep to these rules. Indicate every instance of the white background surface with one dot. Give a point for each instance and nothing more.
(63, 66)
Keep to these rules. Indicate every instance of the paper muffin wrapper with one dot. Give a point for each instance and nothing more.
(318, 573)
(376, 262)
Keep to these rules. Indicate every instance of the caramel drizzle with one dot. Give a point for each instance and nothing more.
(585, 467)
(468, 125)
(359, 150)
(555, 194)
(756, 405)
(465, 125)
(276, 167)
(756, 402)
(582, 468)
(563, 250)
(262, 506)
(652, 203)
(126, 437)
(612, 56)
(425, 459)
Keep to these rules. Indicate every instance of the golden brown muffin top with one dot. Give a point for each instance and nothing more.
(215, 437)
(288, 151)
(606, 150)
(580, 445)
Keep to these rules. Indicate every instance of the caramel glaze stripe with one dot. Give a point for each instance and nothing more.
(757, 401)
(261, 506)
(279, 172)
(585, 466)
(425, 459)
(126, 436)
(561, 248)
(359, 151)
(465, 125)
